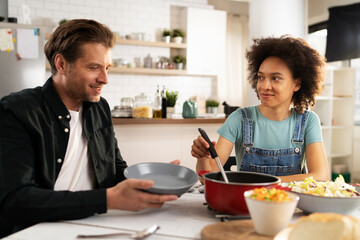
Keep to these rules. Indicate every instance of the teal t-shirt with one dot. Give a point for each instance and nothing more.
(269, 134)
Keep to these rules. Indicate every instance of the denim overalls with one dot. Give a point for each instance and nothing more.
(278, 162)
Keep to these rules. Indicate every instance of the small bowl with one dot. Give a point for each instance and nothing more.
(270, 217)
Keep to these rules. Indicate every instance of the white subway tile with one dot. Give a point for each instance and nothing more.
(127, 16)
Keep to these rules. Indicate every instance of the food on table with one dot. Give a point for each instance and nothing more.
(270, 195)
(337, 188)
(326, 226)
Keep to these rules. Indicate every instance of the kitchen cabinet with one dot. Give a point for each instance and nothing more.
(206, 38)
(335, 108)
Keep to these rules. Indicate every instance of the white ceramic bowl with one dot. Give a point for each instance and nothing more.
(270, 217)
(311, 203)
(343, 205)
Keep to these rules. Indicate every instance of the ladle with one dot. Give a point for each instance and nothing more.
(214, 153)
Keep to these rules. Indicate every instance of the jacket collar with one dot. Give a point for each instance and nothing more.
(55, 101)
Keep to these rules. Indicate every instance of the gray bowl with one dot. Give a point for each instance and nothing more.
(343, 205)
(168, 178)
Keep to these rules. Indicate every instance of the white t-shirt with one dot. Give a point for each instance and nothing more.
(77, 172)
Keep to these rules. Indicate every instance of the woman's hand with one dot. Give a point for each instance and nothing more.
(176, 162)
(200, 148)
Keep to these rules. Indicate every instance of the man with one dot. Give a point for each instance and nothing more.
(59, 157)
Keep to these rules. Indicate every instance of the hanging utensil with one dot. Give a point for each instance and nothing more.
(214, 153)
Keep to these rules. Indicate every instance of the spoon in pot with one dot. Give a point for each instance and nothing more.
(214, 153)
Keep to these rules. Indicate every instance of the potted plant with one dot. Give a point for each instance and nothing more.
(179, 61)
(178, 35)
(212, 106)
(171, 98)
(62, 21)
(166, 35)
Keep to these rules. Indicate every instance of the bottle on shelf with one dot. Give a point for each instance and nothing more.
(163, 102)
(157, 104)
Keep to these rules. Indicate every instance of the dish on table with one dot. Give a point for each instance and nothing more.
(270, 209)
(168, 178)
(310, 203)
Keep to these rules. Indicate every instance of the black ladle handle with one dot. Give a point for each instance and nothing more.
(214, 154)
(207, 139)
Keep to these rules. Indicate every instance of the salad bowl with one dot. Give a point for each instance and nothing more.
(338, 197)
(343, 205)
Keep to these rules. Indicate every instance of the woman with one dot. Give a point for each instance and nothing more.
(281, 136)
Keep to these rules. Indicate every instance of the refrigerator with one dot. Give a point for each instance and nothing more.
(22, 58)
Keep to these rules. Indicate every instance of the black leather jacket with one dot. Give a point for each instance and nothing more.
(34, 133)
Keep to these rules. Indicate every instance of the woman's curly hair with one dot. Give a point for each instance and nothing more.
(304, 62)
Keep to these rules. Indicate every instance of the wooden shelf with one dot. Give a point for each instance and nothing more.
(121, 41)
(154, 71)
(134, 121)
(148, 71)
(150, 44)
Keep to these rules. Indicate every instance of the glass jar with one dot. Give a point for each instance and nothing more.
(116, 112)
(126, 106)
(126, 103)
(142, 107)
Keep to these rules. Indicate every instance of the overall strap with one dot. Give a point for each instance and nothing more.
(247, 127)
(299, 130)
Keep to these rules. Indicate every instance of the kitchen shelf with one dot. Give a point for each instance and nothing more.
(335, 109)
(121, 41)
(134, 121)
(148, 71)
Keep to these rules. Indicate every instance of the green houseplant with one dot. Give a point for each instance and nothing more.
(212, 106)
(166, 34)
(178, 35)
(171, 98)
(179, 61)
(62, 21)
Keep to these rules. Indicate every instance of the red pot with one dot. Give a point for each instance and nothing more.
(229, 197)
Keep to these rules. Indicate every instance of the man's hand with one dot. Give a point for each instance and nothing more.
(127, 195)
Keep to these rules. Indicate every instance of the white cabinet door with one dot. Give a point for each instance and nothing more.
(205, 37)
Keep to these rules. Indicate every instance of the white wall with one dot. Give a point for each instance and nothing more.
(125, 17)
(161, 143)
(274, 18)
